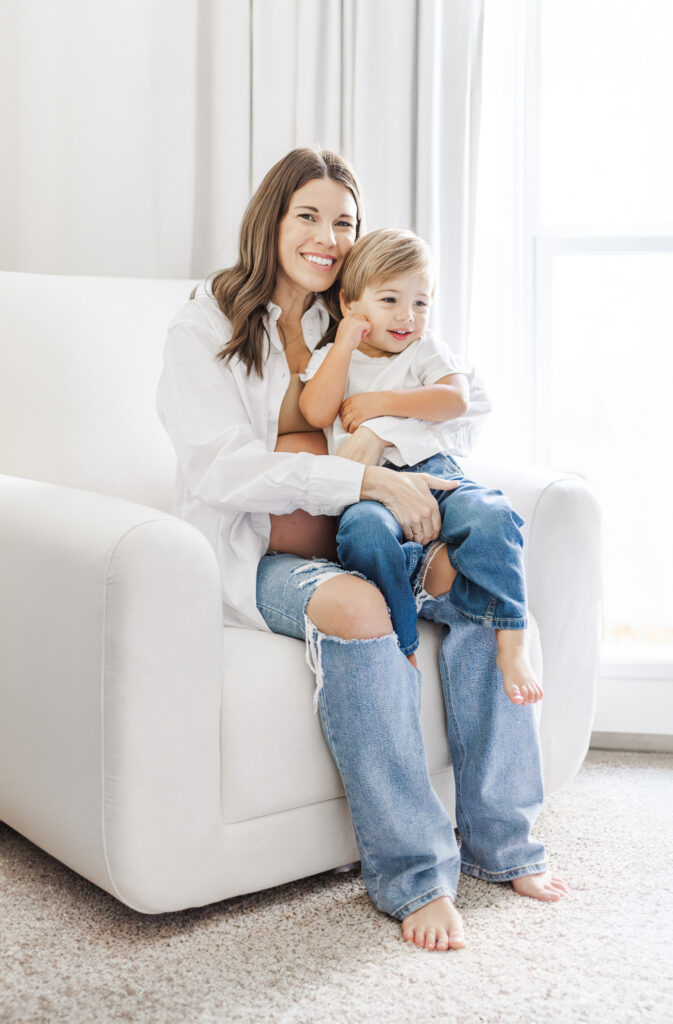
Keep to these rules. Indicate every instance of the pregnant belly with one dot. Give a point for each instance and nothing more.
(298, 532)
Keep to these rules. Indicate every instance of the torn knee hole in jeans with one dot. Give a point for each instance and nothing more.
(314, 572)
(420, 593)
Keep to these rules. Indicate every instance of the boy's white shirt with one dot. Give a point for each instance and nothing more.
(422, 363)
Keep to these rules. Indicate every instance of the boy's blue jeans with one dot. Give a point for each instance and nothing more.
(369, 702)
(482, 534)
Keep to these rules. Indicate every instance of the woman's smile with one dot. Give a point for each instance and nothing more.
(322, 263)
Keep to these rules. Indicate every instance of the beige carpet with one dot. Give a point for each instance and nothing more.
(316, 952)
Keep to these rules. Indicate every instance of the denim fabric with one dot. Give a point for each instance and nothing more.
(483, 538)
(368, 699)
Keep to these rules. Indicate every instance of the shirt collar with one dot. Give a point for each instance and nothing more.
(314, 322)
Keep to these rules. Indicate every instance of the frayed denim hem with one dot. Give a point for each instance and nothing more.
(503, 876)
(420, 901)
(314, 639)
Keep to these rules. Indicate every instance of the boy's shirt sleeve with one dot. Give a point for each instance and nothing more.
(435, 360)
(314, 363)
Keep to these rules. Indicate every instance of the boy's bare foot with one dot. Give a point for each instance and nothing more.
(546, 886)
(437, 925)
(412, 659)
(521, 685)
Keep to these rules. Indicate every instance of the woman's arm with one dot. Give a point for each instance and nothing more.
(323, 393)
(447, 399)
(363, 446)
(222, 455)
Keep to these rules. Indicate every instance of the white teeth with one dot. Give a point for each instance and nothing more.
(322, 262)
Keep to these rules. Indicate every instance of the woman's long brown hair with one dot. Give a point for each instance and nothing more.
(242, 291)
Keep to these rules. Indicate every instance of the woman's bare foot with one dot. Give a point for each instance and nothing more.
(521, 685)
(546, 886)
(437, 925)
(412, 659)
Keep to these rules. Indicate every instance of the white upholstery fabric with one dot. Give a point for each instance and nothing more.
(170, 761)
(80, 361)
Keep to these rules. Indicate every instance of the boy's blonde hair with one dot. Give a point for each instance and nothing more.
(381, 256)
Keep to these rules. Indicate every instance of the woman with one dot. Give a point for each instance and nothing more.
(258, 482)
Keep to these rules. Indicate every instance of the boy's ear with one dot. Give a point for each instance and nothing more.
(345, 306)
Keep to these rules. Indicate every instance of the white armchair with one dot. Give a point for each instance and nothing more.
(169, 760)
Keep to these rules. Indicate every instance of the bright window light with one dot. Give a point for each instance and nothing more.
(611, 374)
(606, 85)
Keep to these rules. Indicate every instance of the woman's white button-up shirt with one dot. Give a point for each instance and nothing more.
(224, 426)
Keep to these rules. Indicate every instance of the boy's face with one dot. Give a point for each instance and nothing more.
(398, 311)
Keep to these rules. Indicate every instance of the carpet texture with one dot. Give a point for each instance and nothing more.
(317, 952)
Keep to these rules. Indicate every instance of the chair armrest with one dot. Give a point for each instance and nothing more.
(110, 689)
(562, 539)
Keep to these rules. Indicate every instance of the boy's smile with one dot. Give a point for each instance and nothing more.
(398, 311)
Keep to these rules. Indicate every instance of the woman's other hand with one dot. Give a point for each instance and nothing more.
(409, 498)
(363, 446)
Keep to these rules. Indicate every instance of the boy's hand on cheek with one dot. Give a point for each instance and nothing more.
(352, 330)
(358, 408)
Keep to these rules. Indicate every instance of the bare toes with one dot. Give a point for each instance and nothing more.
(431, 926)
(545, 886)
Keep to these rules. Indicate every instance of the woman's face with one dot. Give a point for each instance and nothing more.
(314, 236)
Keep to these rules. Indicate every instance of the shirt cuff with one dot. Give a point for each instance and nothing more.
(409, 440)
(334, 484)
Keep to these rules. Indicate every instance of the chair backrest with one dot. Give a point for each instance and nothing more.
(80, 358)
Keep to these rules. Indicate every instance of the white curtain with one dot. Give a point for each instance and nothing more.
(135, 132)
(501, 337)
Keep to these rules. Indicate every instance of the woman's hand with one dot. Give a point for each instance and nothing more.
(363, 446)
(358, 408)
(408, 497)
(351, 331)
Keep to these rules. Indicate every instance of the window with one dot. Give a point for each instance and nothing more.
(572, 308)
